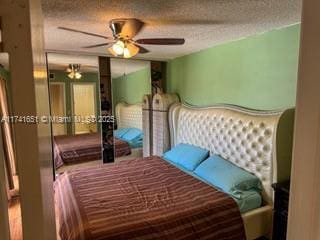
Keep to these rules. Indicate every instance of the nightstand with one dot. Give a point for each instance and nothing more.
(280, 214)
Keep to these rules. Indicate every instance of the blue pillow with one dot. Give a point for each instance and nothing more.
(133, 134)
(120, 132)
(136, 143)
(227, 176)
(187, 156)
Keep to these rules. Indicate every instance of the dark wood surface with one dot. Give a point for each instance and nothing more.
(106, 108)
(280, 215)
(158, 77)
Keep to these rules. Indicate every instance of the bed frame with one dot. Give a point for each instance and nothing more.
(257, 141)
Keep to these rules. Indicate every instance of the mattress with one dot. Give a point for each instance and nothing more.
(78, 148)
(143, 199)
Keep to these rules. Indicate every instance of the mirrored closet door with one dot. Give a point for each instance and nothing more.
(75, 107)
(131, 80)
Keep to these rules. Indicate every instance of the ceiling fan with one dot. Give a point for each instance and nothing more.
(73, 71)
(123, 44)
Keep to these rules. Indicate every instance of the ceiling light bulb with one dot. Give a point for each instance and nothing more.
(126, 53)
(77, 75)
(71, 75)
(130, 50)
(118, 47)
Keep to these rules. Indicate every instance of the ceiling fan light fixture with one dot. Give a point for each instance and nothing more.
(118, 47)
(124, 49)
(77, 75)
(126, 53)
(110, 49)
(130, 50)
(74, 71)
(71, 75)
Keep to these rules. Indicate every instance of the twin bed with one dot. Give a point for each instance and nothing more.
(150, 198)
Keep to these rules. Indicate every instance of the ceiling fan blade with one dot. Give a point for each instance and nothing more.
(83, 32)
(142, 50)
(97, 45)
(161, 41)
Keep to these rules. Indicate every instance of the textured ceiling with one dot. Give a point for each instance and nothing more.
(203, 23)
(119, 67)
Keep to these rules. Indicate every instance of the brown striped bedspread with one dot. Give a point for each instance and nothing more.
(77, 148)
(121, 148)
(143, 199)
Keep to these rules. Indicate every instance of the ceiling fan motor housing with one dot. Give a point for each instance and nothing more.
(116, 27)
(125, 28)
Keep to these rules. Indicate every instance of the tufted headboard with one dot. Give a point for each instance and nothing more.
(129, 115)
(257, 141)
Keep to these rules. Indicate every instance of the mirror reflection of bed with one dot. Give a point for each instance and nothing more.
(131, 80)
(74, 92)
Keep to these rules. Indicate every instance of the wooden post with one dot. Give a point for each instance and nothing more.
(106, 108)
(22, 35)
(4, 218)
(304, 203)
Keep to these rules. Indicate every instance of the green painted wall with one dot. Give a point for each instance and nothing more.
(5, 74)
(258, 72)
(132, 87)
(61, 76)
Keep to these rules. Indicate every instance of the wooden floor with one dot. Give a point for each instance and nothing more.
(15, 212)
(15, 219)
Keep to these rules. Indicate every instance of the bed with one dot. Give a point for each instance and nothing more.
(149, 198)
(128, 116)
(77, 148)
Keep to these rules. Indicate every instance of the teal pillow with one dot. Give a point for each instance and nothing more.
(187, 156)
(227, 176)
(249, 200)
(136, 143)
(120, 132)
(132, 135)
